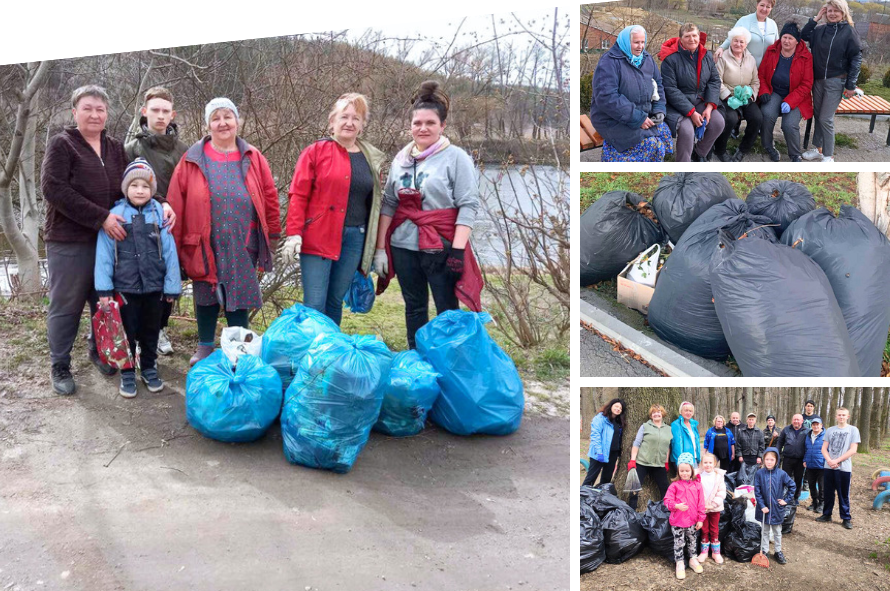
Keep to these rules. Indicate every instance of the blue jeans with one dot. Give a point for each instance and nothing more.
(325, 281)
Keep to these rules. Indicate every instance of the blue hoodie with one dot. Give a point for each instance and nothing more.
(711, 436)
(682, 442)
(145, 262)
(769, 487)
(601, 432)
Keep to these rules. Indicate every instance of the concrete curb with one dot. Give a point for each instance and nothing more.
(656, 354)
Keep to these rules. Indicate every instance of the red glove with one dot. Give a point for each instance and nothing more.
(667, 466)
(631, 464)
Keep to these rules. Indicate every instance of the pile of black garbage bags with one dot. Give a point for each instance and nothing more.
(787, 289)
(612, 532)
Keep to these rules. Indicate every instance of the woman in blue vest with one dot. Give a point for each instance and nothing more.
(606, 431)
(685, 432)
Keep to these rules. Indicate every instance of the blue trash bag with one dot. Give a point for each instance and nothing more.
(334, 400)
(360, 296)
(289, 336)
(232, 406)
(481, 389)
(411, 390)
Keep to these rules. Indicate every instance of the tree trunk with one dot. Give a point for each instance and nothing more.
(749, 401)
(853, 406)
(638, 402)
(874, 190)
(865, 420)
(823, 403)
(712, 403)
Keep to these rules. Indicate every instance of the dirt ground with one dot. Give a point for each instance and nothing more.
(870, 147)
(820, 556)
(100, 493)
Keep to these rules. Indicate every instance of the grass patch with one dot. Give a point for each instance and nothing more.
(829, 189)
(842, 140)
(875, 88)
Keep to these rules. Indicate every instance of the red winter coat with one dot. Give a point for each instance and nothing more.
(189, 196)
(800, 95)
(432, 226)
(691, 493)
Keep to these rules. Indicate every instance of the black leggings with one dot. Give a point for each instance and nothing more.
(207, 316)
(658, 474)
(607, 470)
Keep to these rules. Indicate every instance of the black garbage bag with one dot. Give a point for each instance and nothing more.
(746, 473)
(781, 201)
(623, 535)
(680, 198)
(778, 312)
(729, 479)
(788, 522)
(732, 509)
(682, 309)
(855, 256)
(743, 541)
(659, 536)
(593, 548)
(613, 233)
(601, 500)
(607, 487)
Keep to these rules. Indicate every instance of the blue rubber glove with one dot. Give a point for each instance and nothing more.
(601, 458)
(786, 108)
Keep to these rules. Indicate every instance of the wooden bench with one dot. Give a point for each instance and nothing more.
(858, 105)
(590, 138)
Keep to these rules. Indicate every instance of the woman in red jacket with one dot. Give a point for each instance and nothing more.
(226, 204)
(334, 208)
(786, 83)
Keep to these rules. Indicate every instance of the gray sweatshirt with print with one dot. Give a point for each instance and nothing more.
(447, 180)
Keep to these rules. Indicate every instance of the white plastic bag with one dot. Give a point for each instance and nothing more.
(632, 484)
(644, 267)
(236, 341)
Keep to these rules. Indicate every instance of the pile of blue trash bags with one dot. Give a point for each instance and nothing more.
(330, 390)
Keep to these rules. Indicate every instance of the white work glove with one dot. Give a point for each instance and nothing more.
(655, 96)
(381, 262)
(291, 249)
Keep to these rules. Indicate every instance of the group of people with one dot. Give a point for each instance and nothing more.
(758, 75)
(126, 223)
(695, 494)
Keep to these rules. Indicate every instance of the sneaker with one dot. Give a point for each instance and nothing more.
(846, 523)
(128, 384)
(202, 352)
(151, 379)
(103, 367)
(824, 519)
(695, 566)
(681, 571)
(773, 154)
(827, 158)
(739, 156)
(812, 155)
(63, 382)
(165, 347)
(780, 558)
(795, 159)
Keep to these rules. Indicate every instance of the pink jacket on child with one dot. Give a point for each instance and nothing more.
(718, 493)
(689, 492)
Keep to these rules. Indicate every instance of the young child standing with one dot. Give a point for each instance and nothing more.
(773, 489)
(714, 490)
(686, 501)
(142, 268)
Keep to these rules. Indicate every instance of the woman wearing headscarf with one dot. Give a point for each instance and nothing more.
(739, 85)
(628, 105)
(764, 31)
(335, 198)
(837, 58)
(226, 204)
(692, 89)
(786, 80)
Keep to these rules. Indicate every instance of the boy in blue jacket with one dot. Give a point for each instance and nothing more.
(143, 269)
(773, 489)
(814, 463)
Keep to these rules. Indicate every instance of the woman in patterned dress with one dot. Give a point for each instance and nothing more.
(226, 201)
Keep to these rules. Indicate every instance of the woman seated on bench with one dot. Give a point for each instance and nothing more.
(628, 104)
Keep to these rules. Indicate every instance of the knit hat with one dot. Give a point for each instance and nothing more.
(686, 458)
(768, 417)
(790, 28)
(219, 103)
(139, 169)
